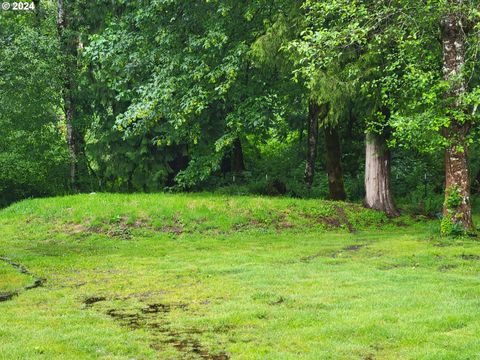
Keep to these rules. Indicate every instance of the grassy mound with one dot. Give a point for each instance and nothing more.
(212, 277)
(111, 213)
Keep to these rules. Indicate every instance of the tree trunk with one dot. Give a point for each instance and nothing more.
(378, 193)
(178, 163)
(457, 209)
(69, 50)
(333, 162)
(314, 113)
(238, 165)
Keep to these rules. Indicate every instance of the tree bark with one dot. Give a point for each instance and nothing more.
(378, 194)
(315, 111)
(69, 50)
(333, 161)
(238, 164)
(457, 182)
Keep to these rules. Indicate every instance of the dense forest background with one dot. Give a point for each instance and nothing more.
(273, 97)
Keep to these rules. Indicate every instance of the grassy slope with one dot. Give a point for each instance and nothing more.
(198, 276)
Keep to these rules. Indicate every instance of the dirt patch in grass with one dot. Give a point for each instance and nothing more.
(470, 257)
(353, 247)
(8, 296)
(447, 267)
(153, 318)
(350, 248)
(93, 299)
(312, 257)
(162, 308)
(176, 230)
(189, 345)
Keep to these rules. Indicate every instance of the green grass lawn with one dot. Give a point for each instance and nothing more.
(209, 277)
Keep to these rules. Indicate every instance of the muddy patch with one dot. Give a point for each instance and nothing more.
(335, 254)
(353, 247)
(154, 318)
(312, 257)
(8, 296)
(470, 257)
(447, 267)
(349, 249)
(93, 300)
(192, 346)
(162, 308)
(37, 282)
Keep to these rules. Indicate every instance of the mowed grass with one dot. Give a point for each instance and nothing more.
(210, 277)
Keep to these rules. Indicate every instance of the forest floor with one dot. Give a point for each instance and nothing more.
(207, 277)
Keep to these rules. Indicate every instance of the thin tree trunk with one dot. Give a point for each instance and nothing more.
(315, 111)
(69, 50)
(333, 162)
(378, 194)
(457, 208)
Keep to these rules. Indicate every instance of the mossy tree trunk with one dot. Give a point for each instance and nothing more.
(457, 209)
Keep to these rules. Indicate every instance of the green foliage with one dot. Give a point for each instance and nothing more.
(33, 156)
(450, 226)
(165, 90)
(454, 198)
